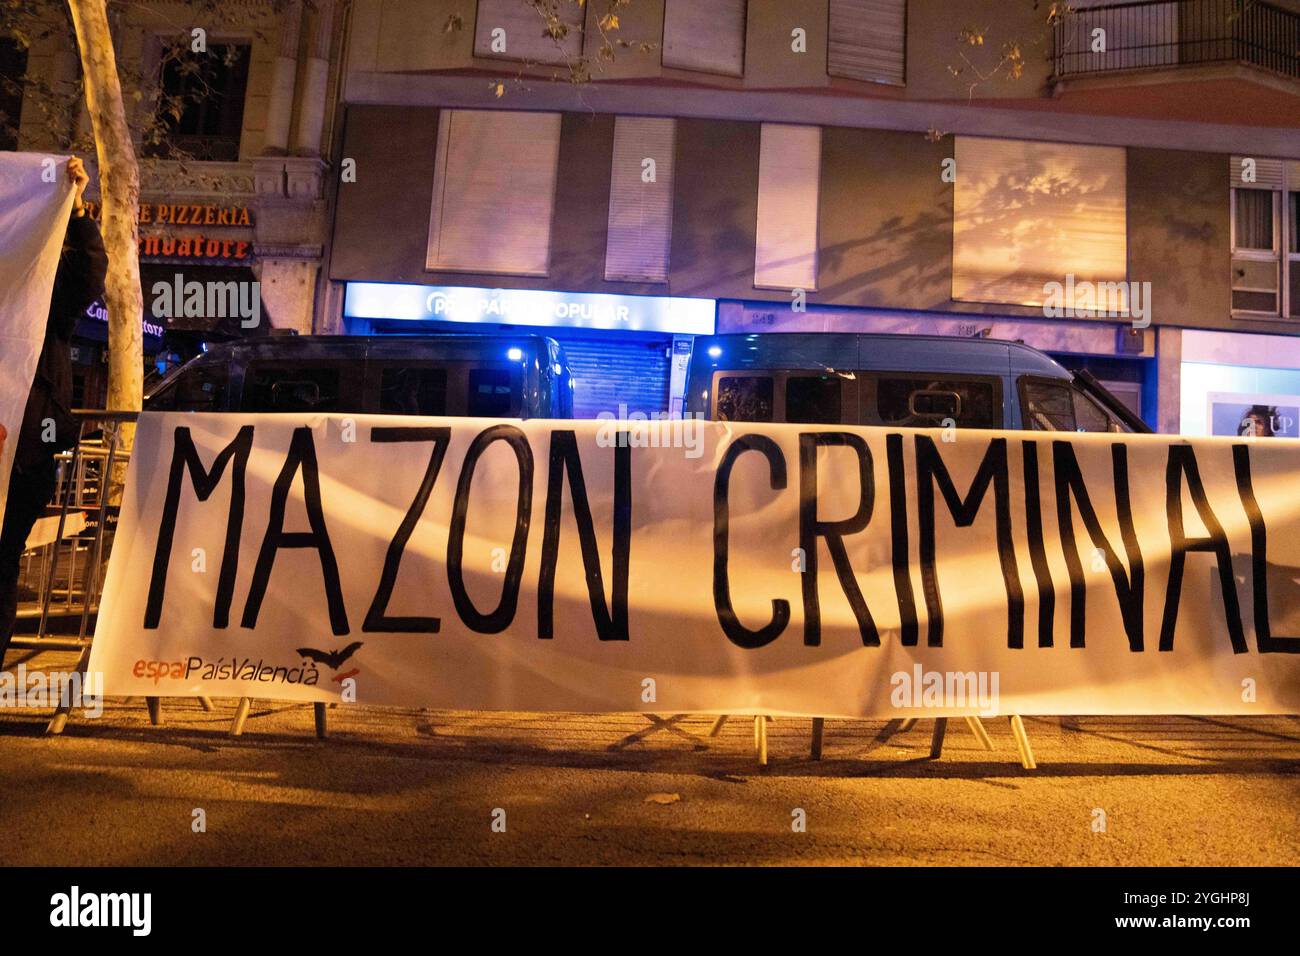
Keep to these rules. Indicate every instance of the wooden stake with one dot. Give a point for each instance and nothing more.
(760, 739)
(321, 729)
(977, 728)
(1022, 743)
(155, 710)
(819, 724)
(936, 739)
(717, 726)
(241, 714)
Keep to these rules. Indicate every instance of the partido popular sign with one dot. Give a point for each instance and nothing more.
(703, 566)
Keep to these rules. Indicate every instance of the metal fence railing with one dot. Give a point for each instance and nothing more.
(1168, 33)
(62, 574)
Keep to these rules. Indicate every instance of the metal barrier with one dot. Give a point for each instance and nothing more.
(1170, 33)
(65, 575)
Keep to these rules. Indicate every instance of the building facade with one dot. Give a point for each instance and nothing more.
(1095, 184)
(232, 184)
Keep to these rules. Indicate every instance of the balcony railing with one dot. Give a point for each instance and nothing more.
(1172, 33)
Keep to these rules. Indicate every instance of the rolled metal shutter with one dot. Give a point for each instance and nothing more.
(868, 40)
(609, 372)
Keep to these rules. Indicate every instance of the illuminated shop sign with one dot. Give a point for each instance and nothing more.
(94, 325)
(168, 244)
(582, 310)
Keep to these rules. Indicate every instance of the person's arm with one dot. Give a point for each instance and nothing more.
(83, 265)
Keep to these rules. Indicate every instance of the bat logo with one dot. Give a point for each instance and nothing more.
(334, 659)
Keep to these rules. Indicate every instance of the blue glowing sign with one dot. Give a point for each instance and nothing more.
(579, 310)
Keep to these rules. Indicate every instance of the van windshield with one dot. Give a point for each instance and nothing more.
(1055, 405)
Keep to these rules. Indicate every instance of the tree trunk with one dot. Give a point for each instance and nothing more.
(119, 193)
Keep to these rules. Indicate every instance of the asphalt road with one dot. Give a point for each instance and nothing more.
(421, 787)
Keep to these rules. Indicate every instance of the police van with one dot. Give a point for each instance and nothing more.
(897, 381)
(475, 376)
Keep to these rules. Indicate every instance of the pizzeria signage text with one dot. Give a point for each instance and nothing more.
(189, 245)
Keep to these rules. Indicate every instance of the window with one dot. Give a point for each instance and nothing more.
(1293, 245)
(1049, 405)
(640, 200)
(518, 30)
(1255, 218)
(813, 399)
(200, 389)
(291, 388)
(201, 112)
(789, 166)
(490, 394)
(1265, 236)
(1030, 214)
(928, 403)
(413, 391)
(1091, 417)
(493, 192)
(868, 40)
(13, 71)
(744, 398)
(705, 35)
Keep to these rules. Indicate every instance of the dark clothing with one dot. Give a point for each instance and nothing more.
(78, 283)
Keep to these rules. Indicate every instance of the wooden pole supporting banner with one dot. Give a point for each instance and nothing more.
(241, 714)
(717, 726)
(760, 739)
(936, 738)
(1022, 743)
(907, 725)
(818, 727)
(154, 704)
(319, 711)
(977, 728)
(206, 704)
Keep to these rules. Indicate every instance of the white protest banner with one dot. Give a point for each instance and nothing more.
(35, 202)
(702, 566)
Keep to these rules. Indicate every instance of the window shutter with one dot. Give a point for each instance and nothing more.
(705, 35)
(789, 167)
(1268, 173)
(493, 192)
(1031, 213)
(868, 40)
(525, 31)
(640, 212)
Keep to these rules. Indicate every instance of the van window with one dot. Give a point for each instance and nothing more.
(490, 393)
(744, 398)
(413, 391)
(1091, 417)
(926, 402)
(813, 399)
(200, 389)
(1048, 406)
(291, 388)
(1059, 406)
